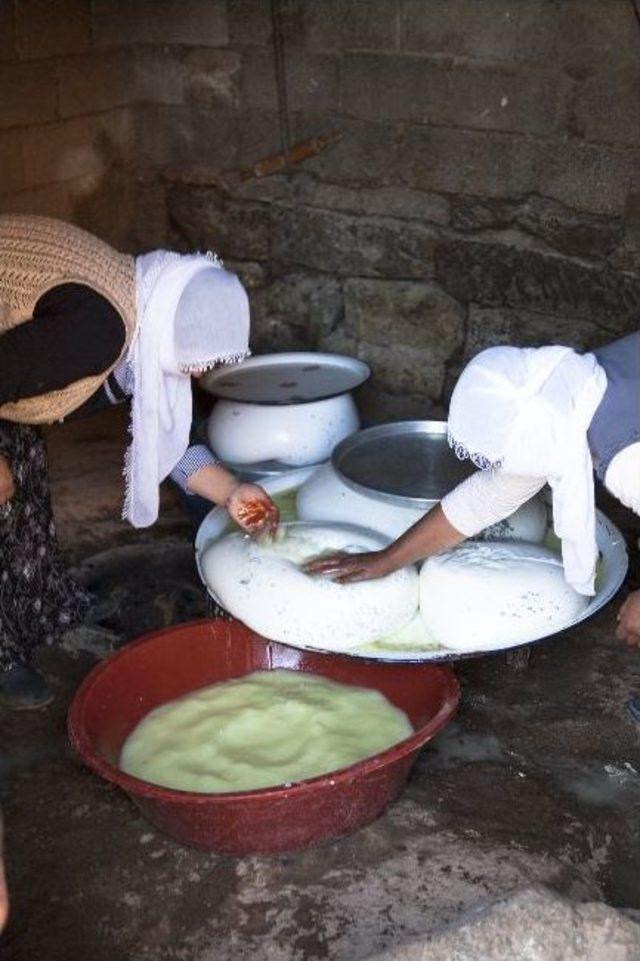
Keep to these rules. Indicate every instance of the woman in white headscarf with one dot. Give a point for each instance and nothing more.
(83, 326)
(526, 418)
(194, 315)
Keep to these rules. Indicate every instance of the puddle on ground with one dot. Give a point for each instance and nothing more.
(21, 757)
(616, 784)
(455, 745)
(611, 784)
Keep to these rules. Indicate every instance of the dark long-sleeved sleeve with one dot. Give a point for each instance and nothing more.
(74, 333)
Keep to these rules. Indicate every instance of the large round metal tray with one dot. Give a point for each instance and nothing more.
(298, 377)
(611, 574)
(406, 463)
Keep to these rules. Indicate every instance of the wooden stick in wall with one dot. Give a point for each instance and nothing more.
(282, 161)
(202, 176)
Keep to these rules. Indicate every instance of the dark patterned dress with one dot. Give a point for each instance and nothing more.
(74, 333)
(39, 600)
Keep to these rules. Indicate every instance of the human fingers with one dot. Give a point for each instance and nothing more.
(268, 526)
(326, 566)
(357, 572)
(7, 489)
(347, 568)
(628, 635)
(272, 518)
(623, 608)
(350, 568)
(272, 521)
(250, 508)
(629, 614)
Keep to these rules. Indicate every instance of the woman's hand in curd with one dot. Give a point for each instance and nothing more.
(431, 534)
(349, 568)
(7, 486)
(252, 509)
(629, 620)
(248, 505)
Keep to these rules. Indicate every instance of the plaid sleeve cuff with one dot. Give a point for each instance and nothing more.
(195, 458)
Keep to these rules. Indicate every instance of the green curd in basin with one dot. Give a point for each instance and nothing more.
(261, 730)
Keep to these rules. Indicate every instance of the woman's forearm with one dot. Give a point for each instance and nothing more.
(213, 482)
(481, 500)
(247, 504)
(431, 534)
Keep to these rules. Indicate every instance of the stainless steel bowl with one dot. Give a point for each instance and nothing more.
(408, 463)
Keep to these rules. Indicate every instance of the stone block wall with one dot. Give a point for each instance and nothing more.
(74, 77)
(483, 186)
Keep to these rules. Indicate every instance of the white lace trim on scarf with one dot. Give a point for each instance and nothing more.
(203, 366)
(462, 453)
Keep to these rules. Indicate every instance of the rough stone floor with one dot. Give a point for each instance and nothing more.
(538, 781)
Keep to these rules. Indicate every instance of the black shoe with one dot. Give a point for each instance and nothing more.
(23, 689)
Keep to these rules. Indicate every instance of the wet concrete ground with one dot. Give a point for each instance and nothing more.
(538, 780)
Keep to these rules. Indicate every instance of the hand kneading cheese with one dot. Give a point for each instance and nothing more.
(484, 596)
(262, 585)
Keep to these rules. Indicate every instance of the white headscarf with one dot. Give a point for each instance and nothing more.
(192, 315)
(527, 411)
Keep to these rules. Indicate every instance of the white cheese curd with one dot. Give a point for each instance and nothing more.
(325, 497)
(485, 596)
(528, 524)
(263, 585)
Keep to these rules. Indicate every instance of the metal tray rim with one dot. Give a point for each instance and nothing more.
(606, 528)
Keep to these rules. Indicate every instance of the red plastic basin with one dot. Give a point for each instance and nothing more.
(167, 664)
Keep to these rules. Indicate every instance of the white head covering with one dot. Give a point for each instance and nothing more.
(526, 411)
(192, 315)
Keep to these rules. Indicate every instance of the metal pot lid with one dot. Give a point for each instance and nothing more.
(409, 462)
(299, 377)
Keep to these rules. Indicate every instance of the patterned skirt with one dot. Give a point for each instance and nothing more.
(39, 601)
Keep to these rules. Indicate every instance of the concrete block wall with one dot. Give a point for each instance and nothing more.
(485, 187)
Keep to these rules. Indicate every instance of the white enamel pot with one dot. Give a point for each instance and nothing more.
(295, 435)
